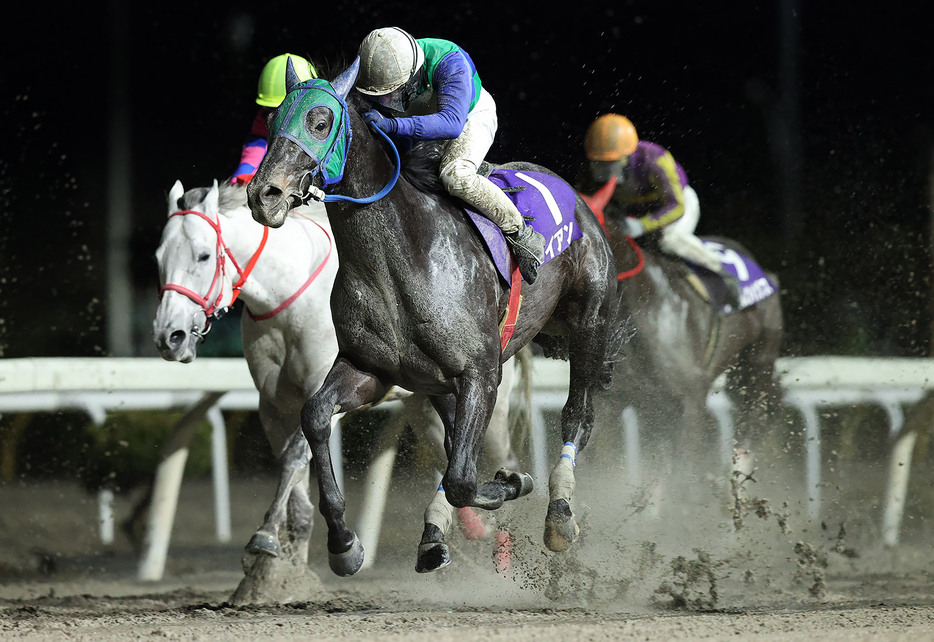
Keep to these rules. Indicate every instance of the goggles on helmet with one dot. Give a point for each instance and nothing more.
(399, 99)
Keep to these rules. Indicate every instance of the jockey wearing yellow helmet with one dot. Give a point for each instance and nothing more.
(651, 194)
(429, 89)
(270, 93)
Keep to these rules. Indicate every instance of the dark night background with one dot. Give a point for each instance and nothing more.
(810, 144)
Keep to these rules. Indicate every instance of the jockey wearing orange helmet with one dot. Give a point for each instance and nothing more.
(652, 192)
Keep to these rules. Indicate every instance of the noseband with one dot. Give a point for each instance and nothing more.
(212, 307)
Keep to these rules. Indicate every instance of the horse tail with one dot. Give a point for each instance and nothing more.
(621, 330)
(520, 412)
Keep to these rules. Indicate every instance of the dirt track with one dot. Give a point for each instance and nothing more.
(637, 572)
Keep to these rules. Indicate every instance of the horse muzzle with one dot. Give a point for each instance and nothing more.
(269, 204)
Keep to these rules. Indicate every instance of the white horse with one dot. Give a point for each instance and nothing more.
(211, 252)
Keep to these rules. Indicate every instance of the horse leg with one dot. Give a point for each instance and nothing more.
(377, 482)
(466, 418)
(293, 465)
(754, 389)
(433, 552)
(588, 366)
(344, 389)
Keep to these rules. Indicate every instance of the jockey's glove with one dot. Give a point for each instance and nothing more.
(632, 227)
(373, 117)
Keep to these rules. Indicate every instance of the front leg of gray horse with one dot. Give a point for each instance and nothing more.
(293, 465)
(462, 444)
(344, 389)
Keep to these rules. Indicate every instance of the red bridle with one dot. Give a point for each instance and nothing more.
(212, 308)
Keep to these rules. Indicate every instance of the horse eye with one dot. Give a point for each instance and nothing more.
(203, 257)
(319, 121)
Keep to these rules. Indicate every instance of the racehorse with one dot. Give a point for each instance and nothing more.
(417, 303)
(684, 335)
(211, 252)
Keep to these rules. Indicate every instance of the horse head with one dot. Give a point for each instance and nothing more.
(192, 281)
(310, 138)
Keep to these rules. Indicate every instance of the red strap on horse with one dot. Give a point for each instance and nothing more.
(245, 272)
(639, 265)
(298, 293)
(596, 202)
(513, 305)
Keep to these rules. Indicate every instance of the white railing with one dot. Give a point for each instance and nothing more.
(208, 386)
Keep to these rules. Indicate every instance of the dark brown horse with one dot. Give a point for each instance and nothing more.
(417, 302)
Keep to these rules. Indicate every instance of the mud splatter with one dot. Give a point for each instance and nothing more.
(812, 568)
(693, 584)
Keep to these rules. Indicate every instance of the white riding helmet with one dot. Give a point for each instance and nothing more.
(389, 57)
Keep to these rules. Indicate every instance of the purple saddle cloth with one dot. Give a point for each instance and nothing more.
(548, 200)
(755, 284)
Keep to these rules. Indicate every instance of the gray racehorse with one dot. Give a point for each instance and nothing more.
(417, 303)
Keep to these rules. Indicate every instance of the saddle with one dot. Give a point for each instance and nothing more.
(546, 202)
(755, 284)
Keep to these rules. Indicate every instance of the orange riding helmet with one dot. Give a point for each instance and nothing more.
(610, 138)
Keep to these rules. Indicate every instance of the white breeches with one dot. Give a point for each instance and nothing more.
(461, 160)
(678, 238)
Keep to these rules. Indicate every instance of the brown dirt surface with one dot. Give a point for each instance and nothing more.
(658, 562)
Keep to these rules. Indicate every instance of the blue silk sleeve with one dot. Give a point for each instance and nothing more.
(453, 84)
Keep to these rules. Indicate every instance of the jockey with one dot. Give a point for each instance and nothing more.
(428, 89)
(269, 95)
(651, 195)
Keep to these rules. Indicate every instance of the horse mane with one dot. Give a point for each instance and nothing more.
(421, 163)
(231, 197)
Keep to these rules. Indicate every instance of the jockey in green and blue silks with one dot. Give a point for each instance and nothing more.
(270, 92)
(429, 89)
(651, 192)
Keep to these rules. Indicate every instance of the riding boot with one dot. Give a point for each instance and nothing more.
(529, 248)
(733, 290)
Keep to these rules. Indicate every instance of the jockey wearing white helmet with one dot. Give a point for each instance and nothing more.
(428, 89)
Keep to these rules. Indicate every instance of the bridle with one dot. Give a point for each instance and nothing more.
(211, 302)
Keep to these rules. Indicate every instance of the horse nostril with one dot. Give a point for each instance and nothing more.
(177, 338)
(271, 194)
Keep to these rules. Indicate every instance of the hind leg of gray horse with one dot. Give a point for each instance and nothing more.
(588, 360)
(344, 389)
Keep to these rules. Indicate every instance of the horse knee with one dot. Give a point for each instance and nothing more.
(316, 421)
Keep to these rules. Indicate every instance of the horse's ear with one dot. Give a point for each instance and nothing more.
(175, 197)
(210, 199)
(344, 82)
(291, 77)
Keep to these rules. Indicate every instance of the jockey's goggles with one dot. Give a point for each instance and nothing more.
(399, 99)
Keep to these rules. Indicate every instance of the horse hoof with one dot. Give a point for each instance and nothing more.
(263, 544)
(348, 562)
(561, 529)
(520, 481)
(432, 556)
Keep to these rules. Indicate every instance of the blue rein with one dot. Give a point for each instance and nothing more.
(331, 198)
